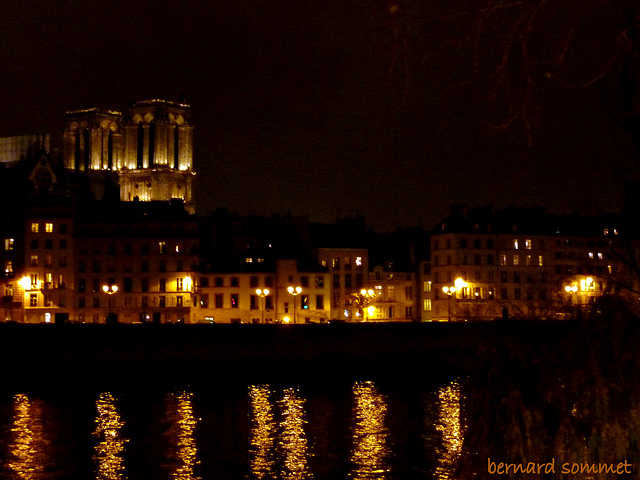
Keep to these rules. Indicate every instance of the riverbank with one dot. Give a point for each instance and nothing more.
(36, 354)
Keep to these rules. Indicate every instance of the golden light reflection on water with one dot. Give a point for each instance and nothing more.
(293, 441)
(262, 432)
(370, 436)
(110, 446)
(279, 447)
(451, 430)
(184, 449)
(28, 444)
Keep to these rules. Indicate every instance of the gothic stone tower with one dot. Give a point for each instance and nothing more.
(150, 148)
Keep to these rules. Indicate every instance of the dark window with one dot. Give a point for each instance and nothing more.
(304, 281)
(254, 302)
(128, 284)
(235, 282)
(336, 280)
(111, 248)
(63, 244)
(268, 281)
(162, 285)
(144, 266)
(34, 244)
(144, 249)
(476, 243)
(162, 301)
(179, 267)
(516, 277)
(96, 265)
(82, 302)
(96, 284)
(489, 243)
(204, 281)
(319, 302)
(219, 282)
(503, 277)
(219, 300)
(144, 284)
(359, 282)
(63, 228)
(127, 248)
(347, 281)
(253, 281)
(48, 244)
(82, 285)
(304, 302)
(162, 266)
(96, 302)
(268, 302)
(319, 282)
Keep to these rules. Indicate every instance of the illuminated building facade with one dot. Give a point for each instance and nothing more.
(148, 251)
(262, 295)
(149, 147)
(509, 265)
(390, 296)
(349, 273)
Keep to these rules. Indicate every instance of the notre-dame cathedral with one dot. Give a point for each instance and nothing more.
(149, 147)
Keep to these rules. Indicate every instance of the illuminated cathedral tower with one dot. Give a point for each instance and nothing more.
(150, 147)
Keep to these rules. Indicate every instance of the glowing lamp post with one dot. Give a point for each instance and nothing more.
(25, 283)
(110, 290)
(295, 292)
(262, 294)
(459, 284)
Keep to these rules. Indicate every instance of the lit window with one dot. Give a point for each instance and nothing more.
(540, 260)
(8, 268)
(248, 260)
(529, 260)
(427, 287)
(178, 248)
(34, 228)
(516, 259)
(48, 227)
(527, 244)
(615, 232)
(8, 244)
(335, 263)
(609, 269)
(179, 284)
(33, 299)
(600, 256)
(162, 247)
(48, 278)
(427, 304)
(515, 243)
(503, 259)
(590, 254)
(606, 231)
(358, 261)
(34, 260)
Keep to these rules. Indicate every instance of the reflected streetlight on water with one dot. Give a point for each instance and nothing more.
(28, 443)
(262, 432)
(184, 450)
(450, 428)
(110, 447)
(370, 436)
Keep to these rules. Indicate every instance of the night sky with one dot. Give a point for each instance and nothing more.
(328, 108)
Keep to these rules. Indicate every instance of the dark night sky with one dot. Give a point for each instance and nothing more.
(301, 108)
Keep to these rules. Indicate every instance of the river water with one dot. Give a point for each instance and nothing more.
(360, 430)
(563, 398)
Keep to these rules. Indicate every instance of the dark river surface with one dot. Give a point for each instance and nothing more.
(564, 404)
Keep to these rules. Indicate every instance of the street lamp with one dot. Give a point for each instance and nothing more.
(295, 292)
(459, 284)
(25, 283)
(263, 294)
(110, 290)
